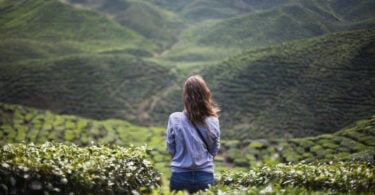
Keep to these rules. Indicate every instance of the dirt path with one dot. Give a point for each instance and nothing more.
(148, 105)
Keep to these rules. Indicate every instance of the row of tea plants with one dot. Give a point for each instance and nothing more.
(348, 176)
(95, 169)
(59, 168)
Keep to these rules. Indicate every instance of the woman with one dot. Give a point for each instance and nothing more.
(193, 138)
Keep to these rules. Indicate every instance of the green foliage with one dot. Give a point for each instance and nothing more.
(46, 126)
(59, 168)
(334, 177)
(250, 153)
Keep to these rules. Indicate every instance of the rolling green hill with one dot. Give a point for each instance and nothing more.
(71, 60)
(39, 20)
(102, 86)
(157, 25)
(54, 56)
(301, 88)
(294, 20)
(42, 29)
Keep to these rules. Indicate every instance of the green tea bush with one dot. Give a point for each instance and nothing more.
(356, 176)
(59, 168)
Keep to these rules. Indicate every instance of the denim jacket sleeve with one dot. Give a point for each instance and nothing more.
(170, 137)
(214, 137)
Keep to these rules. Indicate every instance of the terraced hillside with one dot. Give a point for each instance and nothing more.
(44, 29)
(302, 88)
(86, 63)
(54, 56)
(157, 25)
(293, 20)
(99, 87)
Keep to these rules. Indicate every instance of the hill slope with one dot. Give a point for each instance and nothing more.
(157, 25)
(293, 20)
(297, 89)
(100, 87)
(38, 19)
(42, 29)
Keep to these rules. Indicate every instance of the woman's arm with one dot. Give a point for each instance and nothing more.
(170, 138)
(215, 130)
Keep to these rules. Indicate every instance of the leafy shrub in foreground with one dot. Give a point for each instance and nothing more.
(59, 168)
(336, 177)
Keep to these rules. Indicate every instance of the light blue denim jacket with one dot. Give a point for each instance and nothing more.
(188, 150)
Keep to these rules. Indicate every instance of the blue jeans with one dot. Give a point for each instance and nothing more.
(191, 181)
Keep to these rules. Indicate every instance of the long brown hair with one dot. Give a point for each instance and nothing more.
(197, 101)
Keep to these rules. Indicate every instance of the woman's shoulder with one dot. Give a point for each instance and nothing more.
(176, 116)
(213, 119)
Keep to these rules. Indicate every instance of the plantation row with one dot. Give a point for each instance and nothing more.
(352, 176)
(64, 169)
(354, 142)
(22, 124)
(58, 168)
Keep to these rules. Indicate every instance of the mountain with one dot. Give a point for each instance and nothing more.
(290, 21)
(301, 88)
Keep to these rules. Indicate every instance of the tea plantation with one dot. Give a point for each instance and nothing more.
(86, 87)
(340, 162)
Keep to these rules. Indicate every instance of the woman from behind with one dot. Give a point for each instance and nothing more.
(193, 138)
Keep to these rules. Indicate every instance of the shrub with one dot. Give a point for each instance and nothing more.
(53, 167)
(356, 176)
